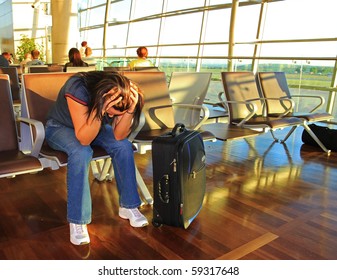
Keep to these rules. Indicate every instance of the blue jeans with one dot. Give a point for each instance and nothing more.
(79, 206)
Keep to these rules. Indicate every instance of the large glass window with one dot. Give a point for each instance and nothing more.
(144, 33)
(245, 30)
(143, 8)
(116, 36)
(301, 19)
(217, 26)
(95, 16)
(181, 29)
(97, 42)
(119, 11)
(299, 49)
(174, 5)
(305, 33)
(215, 50)
(297, 37)
(84, 4)
(174, 51)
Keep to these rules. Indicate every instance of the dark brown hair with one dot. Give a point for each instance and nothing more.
(75, 57)
(99, 83)
(142, 52)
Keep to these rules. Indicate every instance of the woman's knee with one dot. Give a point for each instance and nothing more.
(81, 153)
(123, 146)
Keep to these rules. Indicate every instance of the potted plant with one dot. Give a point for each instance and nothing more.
(26, 46)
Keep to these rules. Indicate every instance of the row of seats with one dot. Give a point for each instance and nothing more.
(74, 69)
(264, 102)
(39, 91)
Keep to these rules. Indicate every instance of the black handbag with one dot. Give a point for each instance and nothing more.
(325, 134)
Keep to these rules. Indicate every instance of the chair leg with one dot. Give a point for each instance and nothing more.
(312, 134)
(289, 133)
(274, 137)
(140, 182)
(143, 188)
(100, 168)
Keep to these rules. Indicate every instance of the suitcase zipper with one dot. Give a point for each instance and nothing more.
(174, 162)
(194, 173)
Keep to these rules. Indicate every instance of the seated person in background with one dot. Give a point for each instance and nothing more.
(23, 63)
(88, 52)
(142, 60)
(28, 57)
(5, 59)
(75, 59)
(88, 57)
(11, 59)
(35, 61)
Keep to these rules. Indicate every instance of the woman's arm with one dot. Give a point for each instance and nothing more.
(86, 129)
(122, 126)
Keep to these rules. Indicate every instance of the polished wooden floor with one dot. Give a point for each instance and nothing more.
(263, 201)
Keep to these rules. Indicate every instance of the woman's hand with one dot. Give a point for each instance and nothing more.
(133, 97)
(110, 101)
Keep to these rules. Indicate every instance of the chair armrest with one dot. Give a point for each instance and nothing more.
(152, 113)
(203, 108)
(282, 101)
(39, 135)
(134, 133)
(251, 106)
(321, 99)
(288, 109)
(153, 116)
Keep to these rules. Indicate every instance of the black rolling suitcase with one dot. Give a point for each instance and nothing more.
(179, 177)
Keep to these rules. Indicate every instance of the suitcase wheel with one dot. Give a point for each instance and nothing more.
(156, 224)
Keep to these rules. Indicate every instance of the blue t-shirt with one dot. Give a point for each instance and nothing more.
(75, 89)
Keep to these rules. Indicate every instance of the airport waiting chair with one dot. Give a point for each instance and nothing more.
(146, 68)
(246, 107)
(74, 69)
(157, 110)
(117, 68)
(39, 93)
(12, 72)
(275, 85)
(187, 92)
(188, 88)
(12, 160)
(44, 68)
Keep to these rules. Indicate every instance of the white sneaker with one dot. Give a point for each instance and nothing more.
(79, 234)
(136, 218)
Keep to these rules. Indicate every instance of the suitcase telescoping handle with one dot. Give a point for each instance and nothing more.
(178, 128)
